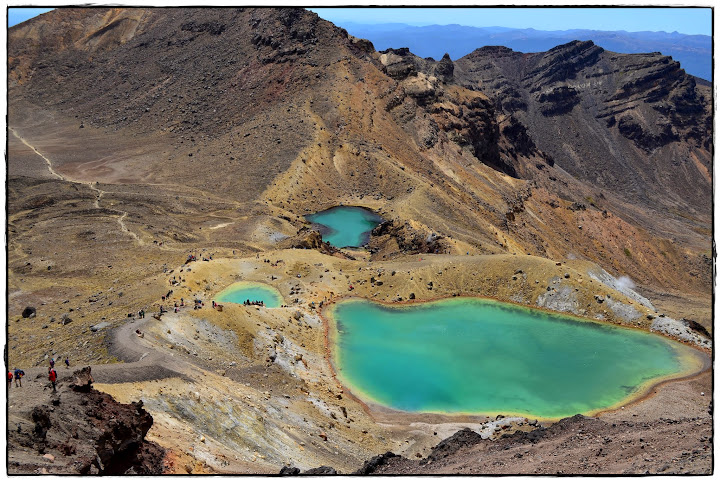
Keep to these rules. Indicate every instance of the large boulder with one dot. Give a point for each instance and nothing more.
(82, 380)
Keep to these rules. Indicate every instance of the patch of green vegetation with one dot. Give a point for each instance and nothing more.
(627, 252)
(590, 201)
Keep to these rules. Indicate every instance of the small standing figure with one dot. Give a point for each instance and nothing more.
(19, 373)
(52, 376)
(52, 362)
(67, 363)
(10, 378)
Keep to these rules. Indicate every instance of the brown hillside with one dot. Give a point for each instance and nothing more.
(139, 136)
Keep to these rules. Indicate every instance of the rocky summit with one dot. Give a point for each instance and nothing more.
(157, 156)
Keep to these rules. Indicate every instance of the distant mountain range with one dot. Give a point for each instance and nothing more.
(694, 52)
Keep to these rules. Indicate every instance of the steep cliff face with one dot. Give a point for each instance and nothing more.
(621, 121)
(434, 109)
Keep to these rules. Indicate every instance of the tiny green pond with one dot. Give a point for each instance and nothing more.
(345, 226)
(471, 355)
(240, 292)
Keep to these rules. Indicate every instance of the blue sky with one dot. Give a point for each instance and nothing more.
(17, 15)
(683, 20)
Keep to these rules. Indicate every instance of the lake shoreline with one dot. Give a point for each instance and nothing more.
(379, 411)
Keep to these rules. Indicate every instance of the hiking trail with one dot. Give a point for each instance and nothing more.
(92, 185)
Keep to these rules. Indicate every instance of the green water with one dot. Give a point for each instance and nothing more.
(345, 226)
(468, 355)
(253, 291)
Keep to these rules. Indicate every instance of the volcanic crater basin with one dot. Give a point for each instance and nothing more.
(479, 356)
(345, 226)
(240, 292)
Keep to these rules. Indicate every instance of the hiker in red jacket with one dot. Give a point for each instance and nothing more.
(10, 378)
(52, 375)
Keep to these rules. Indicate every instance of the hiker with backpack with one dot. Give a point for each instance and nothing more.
(10, 378)
(52, 376)
(19, 373)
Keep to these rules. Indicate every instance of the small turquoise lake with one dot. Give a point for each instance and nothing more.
(239, 292)
(479, 356)
(345, 226)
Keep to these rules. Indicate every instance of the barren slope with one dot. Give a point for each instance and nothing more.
(140, 136)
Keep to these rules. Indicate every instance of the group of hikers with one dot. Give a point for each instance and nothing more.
(193, 258)
(17, 374)
(248, 302)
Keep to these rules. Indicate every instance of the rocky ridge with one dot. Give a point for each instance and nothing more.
(78, 431)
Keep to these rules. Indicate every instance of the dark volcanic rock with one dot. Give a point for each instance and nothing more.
(697, 327)
(320, 471)
(400, 63)
(631, 129)
(88, 432)
(374, 463)
(517, 133)
(460, 439)
(29, 312)
(559, 100)
(444, 69)
(289, 471)
(564, 63)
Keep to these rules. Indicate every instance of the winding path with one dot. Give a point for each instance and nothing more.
(47, 161)
(142, 361)
(90, 184)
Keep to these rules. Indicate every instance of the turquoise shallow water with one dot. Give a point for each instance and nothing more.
(468, 355)
(241, 291)
(345, 226)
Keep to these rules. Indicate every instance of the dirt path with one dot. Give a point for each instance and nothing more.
(47, 161)
(141, 360)
(90, 184)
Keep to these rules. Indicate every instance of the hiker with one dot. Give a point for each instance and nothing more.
(182, 302)
(52, 376)
(52, 362)
(67, 363)
(19, 373)
(10, 378)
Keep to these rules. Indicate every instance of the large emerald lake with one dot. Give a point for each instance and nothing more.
(345, 226)
(471, 355)
(240, 292)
